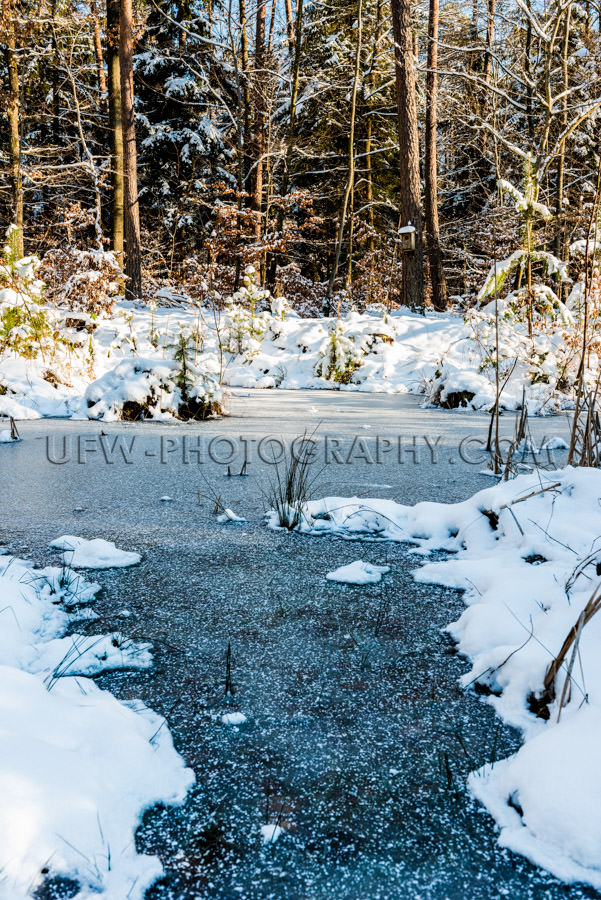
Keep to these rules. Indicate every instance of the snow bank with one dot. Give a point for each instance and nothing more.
(358, 572)
(150, 388)
(86, 355)
(77, 767)
(527, 554)
(95, 554)
(130, 365)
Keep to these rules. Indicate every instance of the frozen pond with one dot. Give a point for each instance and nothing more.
(357, 739)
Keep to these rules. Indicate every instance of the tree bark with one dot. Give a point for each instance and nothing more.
(289, 26)
(115, 127)
(133, 260)
(98, 55)
(14, 114)
(561, 244)
(437, 276)
(285, 183)
(350, 184)
(412, 286)
(259, 118)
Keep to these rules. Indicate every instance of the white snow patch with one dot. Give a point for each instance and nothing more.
(229, 516)
(77, 767)
(270, 833)
(95, 554)
(358, 572)
(233, 718)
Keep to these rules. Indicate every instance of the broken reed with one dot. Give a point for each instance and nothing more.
(540, 704)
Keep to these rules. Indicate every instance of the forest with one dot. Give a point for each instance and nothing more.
(353, 153)
(300, 449)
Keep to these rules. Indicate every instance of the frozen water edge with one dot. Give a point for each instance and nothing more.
(350, 742)
(78, 768)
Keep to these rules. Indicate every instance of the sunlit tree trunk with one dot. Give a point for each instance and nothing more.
(259, 118)
(437, 276)
(133, 259)
(115, 127)
(412, 287)
(350, 184)
(13, 112)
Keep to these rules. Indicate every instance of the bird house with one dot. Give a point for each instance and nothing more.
(406, 238)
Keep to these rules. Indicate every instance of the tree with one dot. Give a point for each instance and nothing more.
(13, 112)
(437, 276)
(115, 125)
(412, 290)
(133, 256)
(259, 117)
(350, 183)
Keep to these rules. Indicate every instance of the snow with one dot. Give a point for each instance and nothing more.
(229, 516)
(7, 438)
(270, 833)
(234, 718)
(151, 384)
(526, 553)
(127, 367)
(95, 554)
(358, 572)
(77, 767)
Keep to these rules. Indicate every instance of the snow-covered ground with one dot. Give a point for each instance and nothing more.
(164, 363)
(527, 554)
(78, 767)
(129, 357)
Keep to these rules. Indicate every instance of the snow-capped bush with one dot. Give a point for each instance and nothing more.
(138, 389)
(545, 363)
(26, 328)
(86, 280)
(339, 356)
(245, 323)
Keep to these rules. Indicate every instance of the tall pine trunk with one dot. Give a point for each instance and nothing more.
(115, 127)
(133, 260)
(437, 276)
(260, 117)
(285, 183)
(13, 114)
(350, 184)
(98, 55)
(412, 287)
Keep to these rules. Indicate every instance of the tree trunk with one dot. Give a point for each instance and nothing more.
(13, 114)
(133, 261)
(561, 244)
(289, 28)
(98, 56)
(281, 213)
(271, 26)
(412, 287)
(115, 127)
(259, 123)
(369, 185)
(437, 276)
(350, 184)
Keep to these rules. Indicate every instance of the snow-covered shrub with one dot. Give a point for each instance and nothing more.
(138, 389)
(499, 273)
(245, 324)
(26, 328)
(280, 308)
(84, 280)
(339, 356)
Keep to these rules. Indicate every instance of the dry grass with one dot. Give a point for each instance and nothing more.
(290, 488)
(561, 662)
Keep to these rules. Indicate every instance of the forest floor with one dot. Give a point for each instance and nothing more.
(357, 739)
